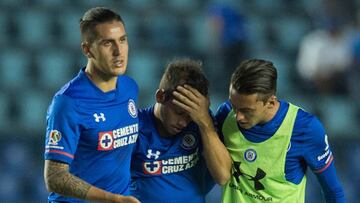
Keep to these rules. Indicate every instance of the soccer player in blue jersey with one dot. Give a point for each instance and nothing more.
(168, 162)
(92, 122)
(272, 142)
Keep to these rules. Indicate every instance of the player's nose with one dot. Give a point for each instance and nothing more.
(116, 49)
(239, 116)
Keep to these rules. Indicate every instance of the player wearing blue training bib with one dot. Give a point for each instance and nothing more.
(92, 122)
(261, 120)
(168, 163)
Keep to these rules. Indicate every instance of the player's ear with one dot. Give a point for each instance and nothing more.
(160, 95)
(85, 47)
(271, 101)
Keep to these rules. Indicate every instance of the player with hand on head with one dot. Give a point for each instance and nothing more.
(272, 142)
(92, 121)
(168, 163)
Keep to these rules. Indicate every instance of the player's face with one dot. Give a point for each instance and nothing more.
(173, 118)
(249, 111)
(109, 51)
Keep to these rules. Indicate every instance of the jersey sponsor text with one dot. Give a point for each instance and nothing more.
(117, 138)
(172, 165)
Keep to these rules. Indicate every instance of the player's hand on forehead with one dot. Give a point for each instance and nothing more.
(191, 100)
(188, 90)
(185, 93)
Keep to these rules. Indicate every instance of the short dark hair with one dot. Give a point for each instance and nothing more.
(255, 76)
(92, 18)
(184, 71)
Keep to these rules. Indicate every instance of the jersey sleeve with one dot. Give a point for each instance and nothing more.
(317, 152)
(319, 157)
(331, 186)
(220, 117)
(62, 131)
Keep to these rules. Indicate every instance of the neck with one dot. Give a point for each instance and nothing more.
(272, 112)
(104, 82)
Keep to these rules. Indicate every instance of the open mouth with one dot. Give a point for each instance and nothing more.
(119, 63)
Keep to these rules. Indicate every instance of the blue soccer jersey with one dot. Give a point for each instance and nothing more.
(168, 169)
(309, 147)
(94, 132)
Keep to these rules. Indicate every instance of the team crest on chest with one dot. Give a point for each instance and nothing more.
(250, 155)
(132, 108)
(188, 141)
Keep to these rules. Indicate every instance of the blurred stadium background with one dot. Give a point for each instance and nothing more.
(40, 51)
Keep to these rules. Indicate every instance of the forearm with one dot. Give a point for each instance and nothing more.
(331, 186)
(59, 180)
(216, 156)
